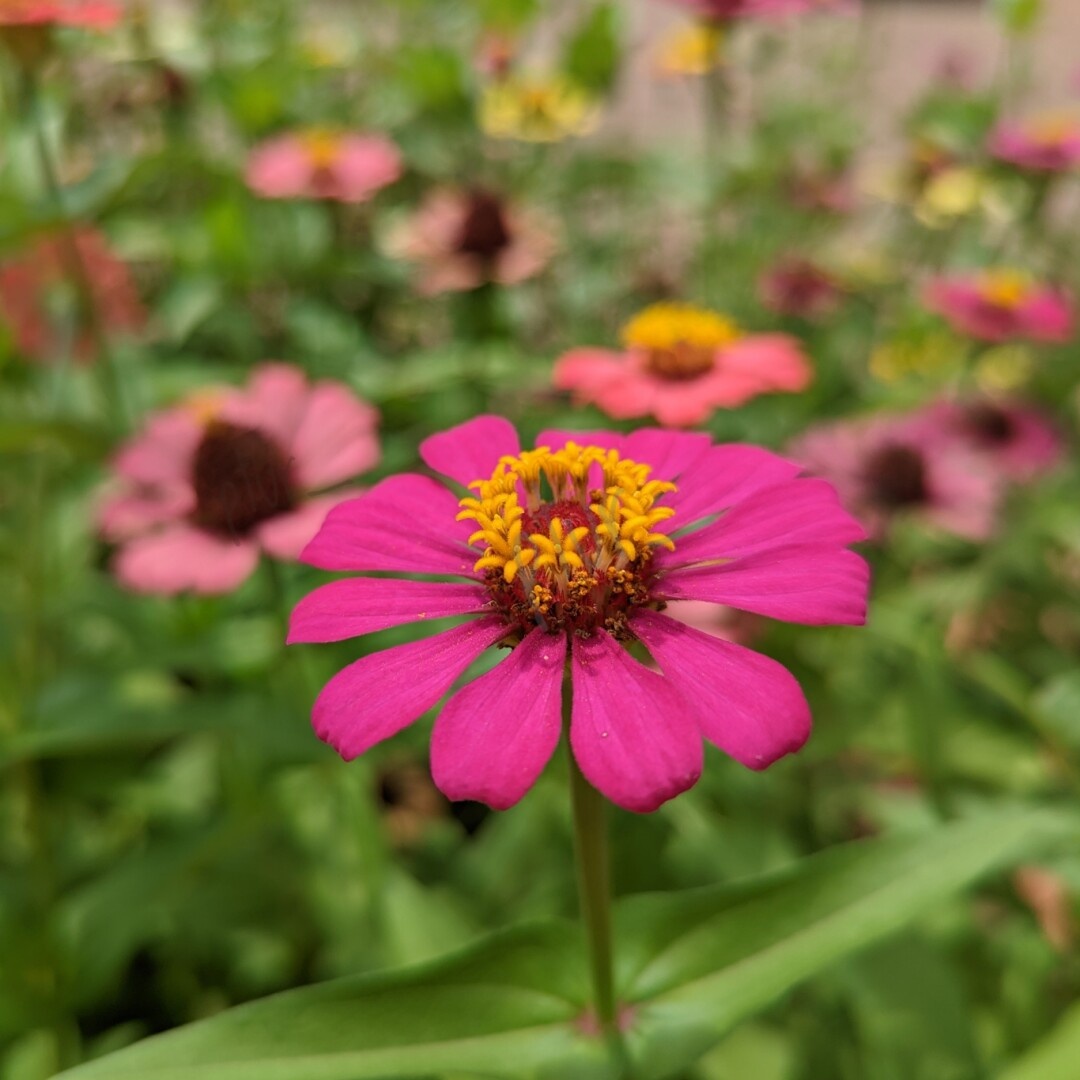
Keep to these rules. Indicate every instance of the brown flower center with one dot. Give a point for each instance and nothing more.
(681, 362)
(988, 425)
(485, 231)
(896, 475)
(241, 477)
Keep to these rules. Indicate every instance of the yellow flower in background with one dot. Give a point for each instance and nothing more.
(537, 108)
(1005, 367)
(691, 50)
(952, 193)
(929, 355)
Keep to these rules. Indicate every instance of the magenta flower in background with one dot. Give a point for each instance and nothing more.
(679, 364)
(323, 164)
(207, 486)
(461, 239)
(1016, 440)
(888, 467)
(30, 284)
(1001, 305)
(728, 10)
(569, 574)
(1046, 144)
(799, 287)
(93, 14)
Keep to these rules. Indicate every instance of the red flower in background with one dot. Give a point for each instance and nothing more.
(799, 287)
(33, 282)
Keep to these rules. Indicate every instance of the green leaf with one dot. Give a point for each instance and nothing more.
(697, 963)
(1018, 16)
(1053, 1058)
(592, 54)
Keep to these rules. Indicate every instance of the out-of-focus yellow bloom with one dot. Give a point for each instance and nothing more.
(1005, 367)
(929, 355)
(537, 109)
(690, 50)
(951, 194)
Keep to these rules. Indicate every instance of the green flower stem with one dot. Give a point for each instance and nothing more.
(594, 880)
(714, 123)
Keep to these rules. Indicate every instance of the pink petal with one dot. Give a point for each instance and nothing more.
(286, 536)
(471, 450)
(494, 737)
(182, 558)
(684, 404)
(586, 369)
(403, 523)
(795, 512)
(772, 361)
(724, 476)
(274, 401)
(1048, 317)
(747, 704)
(279, 168)
(335, 440)
(634, 737)
(556, 438)
(804, 584)
(345, 609)
(366, 164)
(380, 694)
(122, 516)
(163, 451)
(670, 453)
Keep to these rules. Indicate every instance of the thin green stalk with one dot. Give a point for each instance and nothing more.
(714, 122)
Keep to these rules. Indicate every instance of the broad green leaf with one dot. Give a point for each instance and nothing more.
(1053, 1058)
(506, 1007)
(697, 963)
(592, 54)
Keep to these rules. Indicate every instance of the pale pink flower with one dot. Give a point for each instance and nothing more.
(1046, 144)
(679, 364)
(460, 240)
(1014, 439)
(206, 486)
(889, 467)
(799, 287)
(94, 14)
(567, 576)
(1001, 305)
(30, 280)
(323, 164)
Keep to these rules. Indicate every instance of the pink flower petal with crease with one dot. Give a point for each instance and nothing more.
(380, 694)
(286, 535)
(471, 450)
(273, 402)
(557, 438)
(182, 558)
(403, 523)
(747, 704)
(494, 736)
(335, 440)
(798, 512)
(634, 737)
(162, 452)
(346, 609)
(809, 584)
(670, 453)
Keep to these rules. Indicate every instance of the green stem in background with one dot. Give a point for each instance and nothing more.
(76, 268)
(594, 878)
(714, 124)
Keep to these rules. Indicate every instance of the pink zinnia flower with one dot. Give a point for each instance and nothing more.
(886, 467)
(463, 239)
(1001, 305)
(568, 575)
(29, 282)
(680, 364)
(727, 10)
(321, 164)
(207, 486)
(88, 13)
(1014, 439)
(1047, 144)
(799, 287)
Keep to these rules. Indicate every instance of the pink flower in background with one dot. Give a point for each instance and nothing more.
(568, 575)
(1001, 305)
(87, 13)
(35, 287)
(1047, 144)
(460, 240)
(207, 486)
(799, 287)
(681, 363)
(727, 10)
(322, 164)
(1016, 440)
(885, 467)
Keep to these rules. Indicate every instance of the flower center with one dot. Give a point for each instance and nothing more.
(1052, 131)
(568, 537)
(1004, 288)
(678, 341)
(988, 425)
(241, 478)
(484, 230)
(323, 148)
(897, 476)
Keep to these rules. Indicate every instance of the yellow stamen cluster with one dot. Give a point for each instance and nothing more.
(323, 147)
(668, 325)
(559, 552)
(1004, 288)
(537, 109)
(691, 50)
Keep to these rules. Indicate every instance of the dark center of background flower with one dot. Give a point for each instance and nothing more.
(988, 425)
(484, 230)
(896, 476)
(241, 477)
(681, 362)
